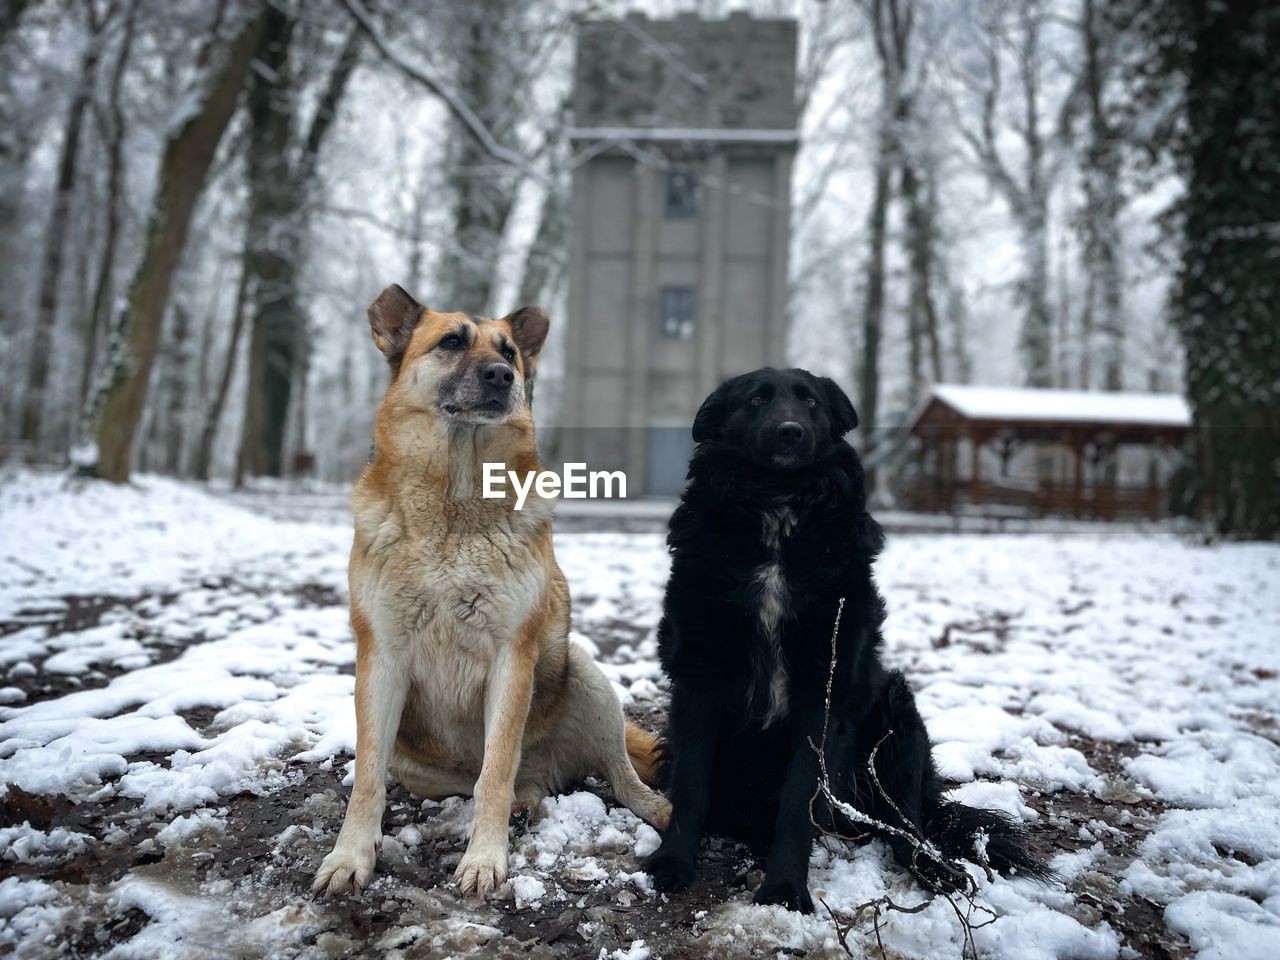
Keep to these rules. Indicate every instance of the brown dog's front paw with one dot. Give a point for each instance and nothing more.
(789, 892)
(480, 873)
(348, 869)
(661, 815)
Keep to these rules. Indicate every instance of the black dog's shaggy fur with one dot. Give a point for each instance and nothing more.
(771, 531)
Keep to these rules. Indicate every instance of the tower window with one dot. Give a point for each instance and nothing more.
(677, 313)
(682, 194)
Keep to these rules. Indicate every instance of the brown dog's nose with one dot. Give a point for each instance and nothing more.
(498, 375)
(790, 432)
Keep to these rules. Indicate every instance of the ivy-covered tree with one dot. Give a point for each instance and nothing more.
(1224, 59)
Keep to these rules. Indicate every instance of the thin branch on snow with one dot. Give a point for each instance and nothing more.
(964, 901)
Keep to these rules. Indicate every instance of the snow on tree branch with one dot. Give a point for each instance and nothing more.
(455, 104)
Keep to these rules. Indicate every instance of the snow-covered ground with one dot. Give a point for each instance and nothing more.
(176, 722)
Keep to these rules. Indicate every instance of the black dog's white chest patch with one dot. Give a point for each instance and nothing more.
(773, 605)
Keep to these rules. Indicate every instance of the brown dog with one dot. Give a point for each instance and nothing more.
(466, 682)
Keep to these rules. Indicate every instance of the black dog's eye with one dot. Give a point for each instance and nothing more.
(757, 401)
(508, 353)
(812, 402)
(451, 342)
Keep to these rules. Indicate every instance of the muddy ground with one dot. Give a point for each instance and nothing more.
(264, 858)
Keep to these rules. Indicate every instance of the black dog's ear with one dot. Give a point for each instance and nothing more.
(843, 417)
(710, 416)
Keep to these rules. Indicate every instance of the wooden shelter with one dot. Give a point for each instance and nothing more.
(1087, 450)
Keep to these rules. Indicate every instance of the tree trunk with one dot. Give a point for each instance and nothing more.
(1036, 339)
(204, 453)
(1103, 206)
(273, 251)
(300, 410)
(100, 309)
(174, 369)
(1226, 302)
(921, 242)
(17, 141)
(277, 227)
(10, 15)
(544, 265)
(183, 171)
(483, 194)
(1087, 326)
(1027, 190)
(55, 240)
(1037, 328)
(873, 310)
(957, 315)
(891, 26)
(422, 197)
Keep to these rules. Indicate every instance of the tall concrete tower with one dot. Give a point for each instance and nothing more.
(685, 130)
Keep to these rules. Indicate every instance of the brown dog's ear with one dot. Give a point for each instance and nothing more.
(529, 327)
(392, 318)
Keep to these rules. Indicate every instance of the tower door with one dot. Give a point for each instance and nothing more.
(669, 451)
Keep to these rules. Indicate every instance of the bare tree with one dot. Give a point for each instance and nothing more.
(892, 23)
(1016, 27)
(112, 126)
(213, 415)
(483, 35)
(1102, 315)
(457, 106)
(487, 57)
(223, 65)
(59, 216)
(281, 173)
(170, 412)
(919, 197)
(10, 15)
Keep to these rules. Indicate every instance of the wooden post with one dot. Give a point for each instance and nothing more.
(948, 469)
(1077, 505)
(975, 468)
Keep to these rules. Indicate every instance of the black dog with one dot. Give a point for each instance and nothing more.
(771, 532)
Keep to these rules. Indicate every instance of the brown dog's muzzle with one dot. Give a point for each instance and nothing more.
(483, 393)
(497, 377)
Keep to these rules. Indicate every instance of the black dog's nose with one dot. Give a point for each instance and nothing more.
(499, 375)
(790, 432)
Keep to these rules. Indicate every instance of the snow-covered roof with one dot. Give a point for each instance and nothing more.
(1067, 406)
(733, 134)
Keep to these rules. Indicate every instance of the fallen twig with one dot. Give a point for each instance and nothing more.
(966, 892)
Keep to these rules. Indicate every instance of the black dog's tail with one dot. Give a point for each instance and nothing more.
(914, 799)
(981, 836)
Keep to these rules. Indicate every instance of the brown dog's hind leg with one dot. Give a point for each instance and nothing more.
(592, 726)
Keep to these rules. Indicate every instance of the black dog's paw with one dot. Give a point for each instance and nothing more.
(928, 872)
(671, 870)
(936, 878)
(788, 892)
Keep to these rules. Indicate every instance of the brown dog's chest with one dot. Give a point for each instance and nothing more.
(464, 582)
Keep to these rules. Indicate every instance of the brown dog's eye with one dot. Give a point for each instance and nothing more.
(757, 401)
(451, 342)
(508, 354)
(812, 402)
